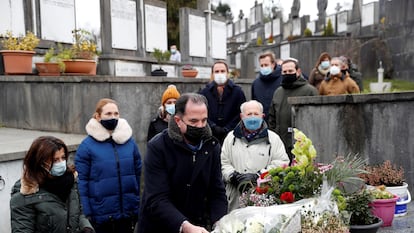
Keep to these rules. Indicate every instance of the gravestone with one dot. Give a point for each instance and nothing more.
(311, 26)
(124, 24)
(369, 14)
(155, 27)
(342, 21)
(276, 25)
(218, 39)
(12, 17)
(197, 36)
(296, 27)
(63, 14)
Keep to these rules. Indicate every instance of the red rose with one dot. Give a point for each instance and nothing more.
(287, 197)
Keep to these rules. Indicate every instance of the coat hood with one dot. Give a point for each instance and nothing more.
(120, 135)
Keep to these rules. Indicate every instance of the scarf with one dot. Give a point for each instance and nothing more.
(60, 185)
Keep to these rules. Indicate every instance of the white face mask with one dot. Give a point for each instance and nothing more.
(170, 108)
(58, 168)
(334, 70)
(220, 78)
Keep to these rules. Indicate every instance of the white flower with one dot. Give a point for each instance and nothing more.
(254, 225)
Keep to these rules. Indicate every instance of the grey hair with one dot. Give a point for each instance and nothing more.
(251, 101)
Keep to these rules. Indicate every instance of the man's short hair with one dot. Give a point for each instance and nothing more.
(268, 54)
(292, 60)
(185, 98)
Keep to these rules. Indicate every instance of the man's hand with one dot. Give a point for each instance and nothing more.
(190, 228)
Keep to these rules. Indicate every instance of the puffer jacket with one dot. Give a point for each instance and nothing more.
(181, 184)
(264, 152)
(109, 169)
(35, 210)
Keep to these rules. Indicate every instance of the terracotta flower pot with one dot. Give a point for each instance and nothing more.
(80, 67)
(189, 73)
(48, 68)
(17, 61)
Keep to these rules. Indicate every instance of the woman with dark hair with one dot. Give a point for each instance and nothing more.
(320, 70)
(109, 166)
(46, 198)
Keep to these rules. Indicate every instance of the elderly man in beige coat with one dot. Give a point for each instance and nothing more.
(249, 150)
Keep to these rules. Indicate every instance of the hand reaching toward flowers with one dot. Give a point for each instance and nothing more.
(187, 227)
(244, 181)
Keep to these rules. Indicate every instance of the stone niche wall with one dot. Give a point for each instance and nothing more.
(65, 104)
(378, 127)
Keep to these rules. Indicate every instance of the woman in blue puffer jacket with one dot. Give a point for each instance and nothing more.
(109, 166)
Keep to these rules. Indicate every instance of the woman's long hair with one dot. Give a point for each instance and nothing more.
(39, 158)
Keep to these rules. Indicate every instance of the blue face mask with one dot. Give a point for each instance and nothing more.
(252, 123)
(325, 65)
(170, 108)
(265, 70)
(58, 169)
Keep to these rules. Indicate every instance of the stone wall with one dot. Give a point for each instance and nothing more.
(378, 127)
(65, 104)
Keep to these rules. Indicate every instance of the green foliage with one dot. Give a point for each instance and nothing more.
(307, 32)
(160, 55)
(173, 24)
(222, 9)
(358, 205)
(329, 31)
(396, 85)
(26, 43)
(52, 56)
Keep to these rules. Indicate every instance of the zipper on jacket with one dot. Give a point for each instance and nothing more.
(118, 166)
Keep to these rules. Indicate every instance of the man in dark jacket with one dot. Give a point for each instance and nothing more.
(268, 80)
(224, 100)
(280, 113)
(184, 190)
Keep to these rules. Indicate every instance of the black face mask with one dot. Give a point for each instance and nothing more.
(289, 78)
(195, 134)
(110, 124)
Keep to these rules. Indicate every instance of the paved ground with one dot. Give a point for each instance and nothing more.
(403, 224)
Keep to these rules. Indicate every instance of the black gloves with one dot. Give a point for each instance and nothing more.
(243, 182)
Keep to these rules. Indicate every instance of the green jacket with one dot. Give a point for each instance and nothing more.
(41, 211)
(280, 113)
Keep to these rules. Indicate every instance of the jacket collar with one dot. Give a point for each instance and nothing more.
(120, 135)
(229, 84)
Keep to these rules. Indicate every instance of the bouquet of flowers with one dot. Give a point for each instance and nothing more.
(288, 184)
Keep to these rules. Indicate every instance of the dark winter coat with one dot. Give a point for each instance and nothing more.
(156, 126)
(263, 88)
(224, 113)
(109, 169)
(280, 112)
(35, 210)
(181, 184)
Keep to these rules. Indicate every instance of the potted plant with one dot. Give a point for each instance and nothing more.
(18, 52)
(189, 71)
(160, 56)
(361, 217)
(80, 58)
(392, 178)
(383, 205)
(52, 65)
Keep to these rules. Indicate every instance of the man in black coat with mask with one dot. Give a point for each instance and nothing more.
(268, 80)
(280, 113)
(184, 189)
